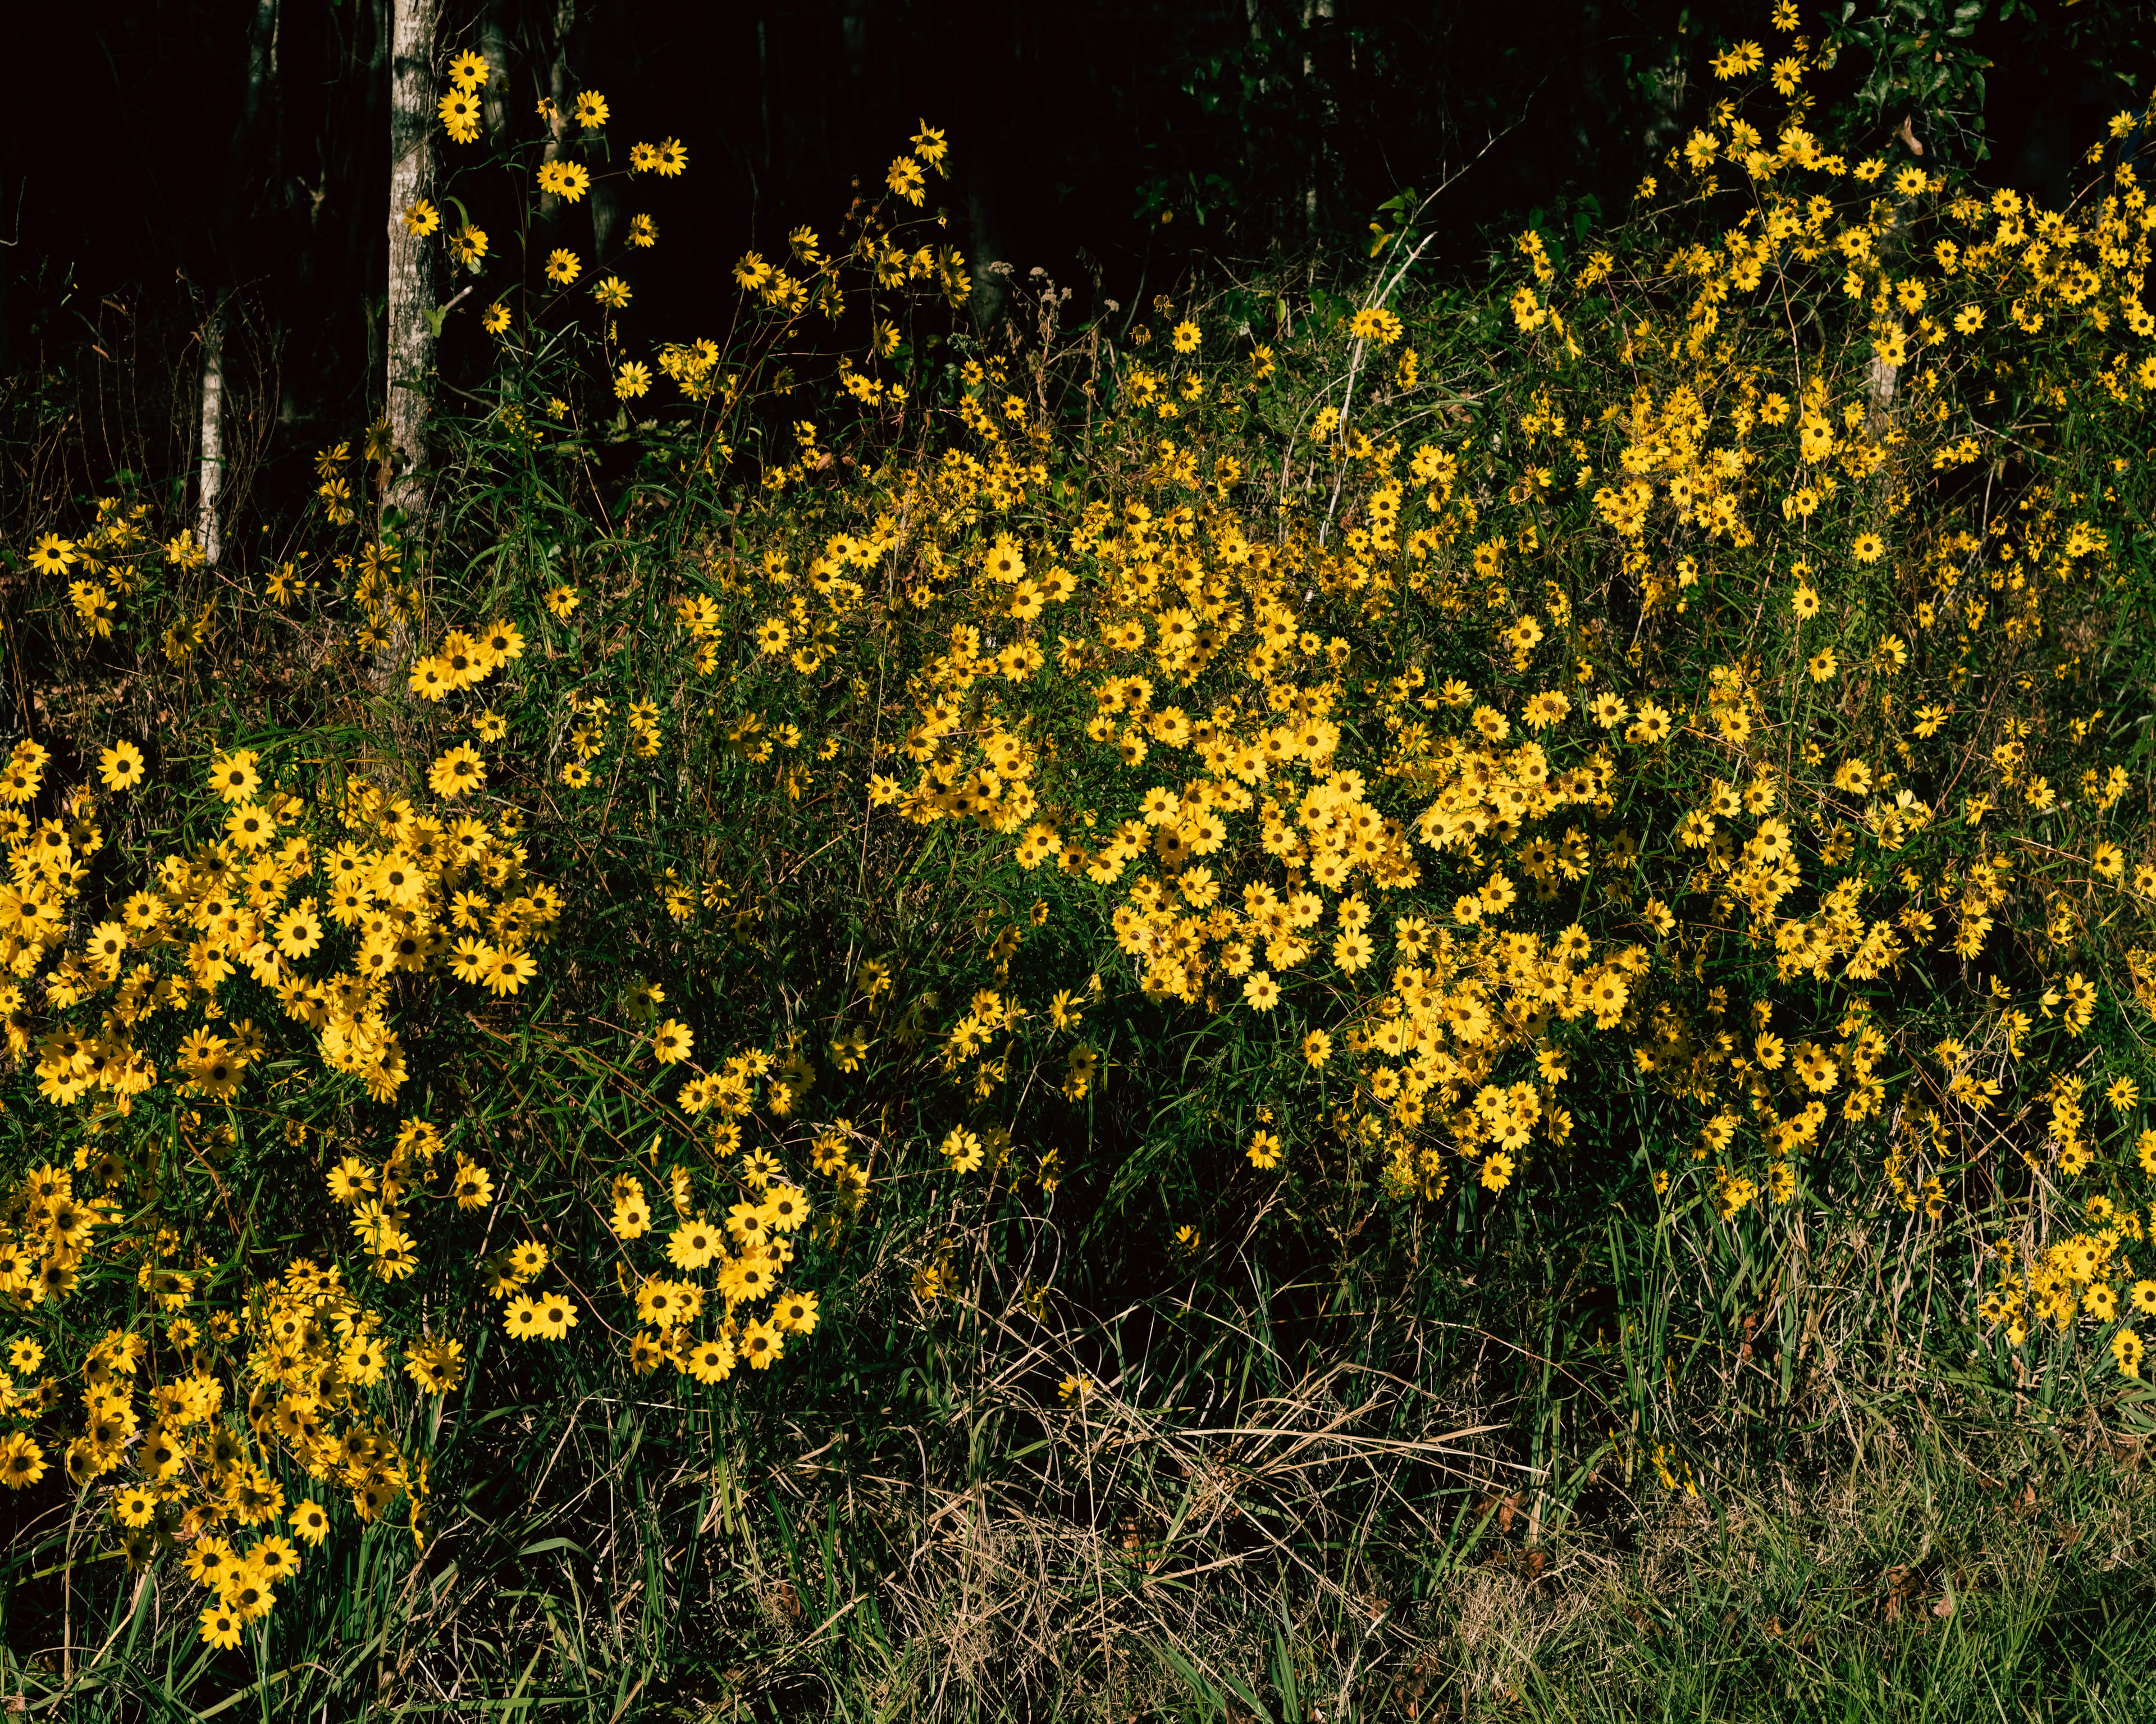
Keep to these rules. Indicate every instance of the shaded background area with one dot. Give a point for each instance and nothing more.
(165, 151)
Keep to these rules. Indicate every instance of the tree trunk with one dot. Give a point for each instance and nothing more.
(411, 343)
(493, 47)
(253, 193)
(763, 96)
(1319, 160)
(991, 273)
(7, 347)
(606, 217)
(244, 167)
(212, 481)
(547, 225)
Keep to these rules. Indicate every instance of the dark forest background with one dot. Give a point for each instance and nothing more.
(156, 153)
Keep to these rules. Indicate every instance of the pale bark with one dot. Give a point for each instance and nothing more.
(211, 479)
(557, 77)
(1321, 159)
(493, 47)
(411, 336)
(1881, 381)
(1882, 378)
(559, 103)
(991, 274)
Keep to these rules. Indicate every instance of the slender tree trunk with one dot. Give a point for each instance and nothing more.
(244, 167)
(1882, 377)
(1319, 159)
(557, 77)
(991, 273)
(411, 333)
(606, 217)
(763, 92)
(358, 249)
(557, 125)
(212, 481)
(6, 269)
(254, 184)
(493, 47)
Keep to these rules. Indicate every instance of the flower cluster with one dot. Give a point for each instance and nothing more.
(1374, 791)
